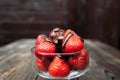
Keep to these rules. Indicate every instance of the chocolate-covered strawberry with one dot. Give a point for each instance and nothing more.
(44, 46)
(71, 42)
(57, 36)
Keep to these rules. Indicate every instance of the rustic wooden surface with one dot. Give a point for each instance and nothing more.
(15, 61)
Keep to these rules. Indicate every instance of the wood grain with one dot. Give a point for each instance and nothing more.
(104, 58)
(15, 61)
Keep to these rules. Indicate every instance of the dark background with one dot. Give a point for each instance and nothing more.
(94, 19)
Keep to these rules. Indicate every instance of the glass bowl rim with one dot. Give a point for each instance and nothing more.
(54, 54)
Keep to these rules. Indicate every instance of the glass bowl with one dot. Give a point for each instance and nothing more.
(47, 58)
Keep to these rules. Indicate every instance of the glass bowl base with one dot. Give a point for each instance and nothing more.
(73, 74)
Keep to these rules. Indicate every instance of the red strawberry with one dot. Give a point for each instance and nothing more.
(40, 38)
(44, 46)
(71, 42)
(42, 64)
(68, 31)
(58, 68)
(79, 61)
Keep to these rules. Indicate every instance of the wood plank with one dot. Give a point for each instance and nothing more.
(95, 19)
(20, 10)
(94, 72)
(23, 71)
(16, 47)
(111, 50)
(16, 61)
(104, 58)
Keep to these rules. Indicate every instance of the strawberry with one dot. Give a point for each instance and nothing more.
(71, 42)
(44, 46)
(79, 61)
(40, 38)
(42, 64)
(68, 31)
(58, 68)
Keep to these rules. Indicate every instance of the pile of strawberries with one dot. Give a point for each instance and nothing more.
(60, 52)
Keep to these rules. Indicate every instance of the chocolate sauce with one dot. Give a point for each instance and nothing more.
(56, 29)
(57, 35)
(65, 57)
(54, 32)
(61, 15)
(66, 39)
(59, 40)
(48, 39)
(58, 46)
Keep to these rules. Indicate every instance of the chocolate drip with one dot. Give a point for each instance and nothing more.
(57, 36)
(48, 39)
(58, 40)
(66, 39)
(54, 32)
(58, 46)
(56, 29)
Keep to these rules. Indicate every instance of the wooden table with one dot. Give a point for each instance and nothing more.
(15, 61)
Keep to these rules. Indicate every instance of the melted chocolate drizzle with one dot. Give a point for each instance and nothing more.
(56, 29)
(48, 39)
(57, 35)
(56, 32)
(66, 39)
(59, 39)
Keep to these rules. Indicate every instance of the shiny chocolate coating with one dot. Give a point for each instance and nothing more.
(66, 39)
(56, 34)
